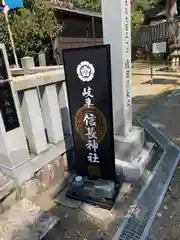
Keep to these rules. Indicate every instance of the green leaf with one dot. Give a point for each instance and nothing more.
(33, 28)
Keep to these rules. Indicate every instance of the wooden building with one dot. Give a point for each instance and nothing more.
(80, 28)
(79, 23)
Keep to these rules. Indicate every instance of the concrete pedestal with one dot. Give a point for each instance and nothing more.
(131, 171)
(131, 154)
(127, 148)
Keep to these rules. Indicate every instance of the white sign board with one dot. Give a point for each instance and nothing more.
(159, 47)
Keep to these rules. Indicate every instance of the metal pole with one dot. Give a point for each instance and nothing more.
(93, 31)
(151, 73)
(10, 35)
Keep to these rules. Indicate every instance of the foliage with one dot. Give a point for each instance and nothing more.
(138, 7)
(145, 5)
(137, 14)
(33, 28)
(141, 6)
(137, 18)
(88, 4)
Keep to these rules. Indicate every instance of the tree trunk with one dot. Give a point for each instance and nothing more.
(171, 10)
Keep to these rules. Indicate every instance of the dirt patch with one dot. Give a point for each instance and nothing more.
(145, 95)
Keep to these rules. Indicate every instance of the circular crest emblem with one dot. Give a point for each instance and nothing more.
(85, 71)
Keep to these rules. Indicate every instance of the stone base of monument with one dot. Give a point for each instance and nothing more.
(132, 171)
(127, 148)
(132, 154)
(100, 192)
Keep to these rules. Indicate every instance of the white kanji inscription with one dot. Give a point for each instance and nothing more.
(87, 92)
(90, 119)
(88, 102)
(86, 119)
(93, 158)
(91, 133)
(92, 145)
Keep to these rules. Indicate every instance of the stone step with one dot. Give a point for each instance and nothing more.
(25, 221)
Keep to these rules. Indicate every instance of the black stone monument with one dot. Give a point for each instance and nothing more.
(88, 79)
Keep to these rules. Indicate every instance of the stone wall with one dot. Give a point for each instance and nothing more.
(52, 174)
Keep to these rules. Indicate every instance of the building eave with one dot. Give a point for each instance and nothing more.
(78, 11)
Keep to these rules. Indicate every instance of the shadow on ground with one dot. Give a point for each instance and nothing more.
(146, 103)
(158, 74)
(162, 81)
(165, 116)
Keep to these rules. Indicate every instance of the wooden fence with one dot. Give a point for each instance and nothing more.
(166, 31)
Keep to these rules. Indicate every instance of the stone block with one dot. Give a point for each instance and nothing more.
(31, 188)
(59, 169)
(131, 171)
(53, 152)
(43, 180)
(51, 174)
(127, 148)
